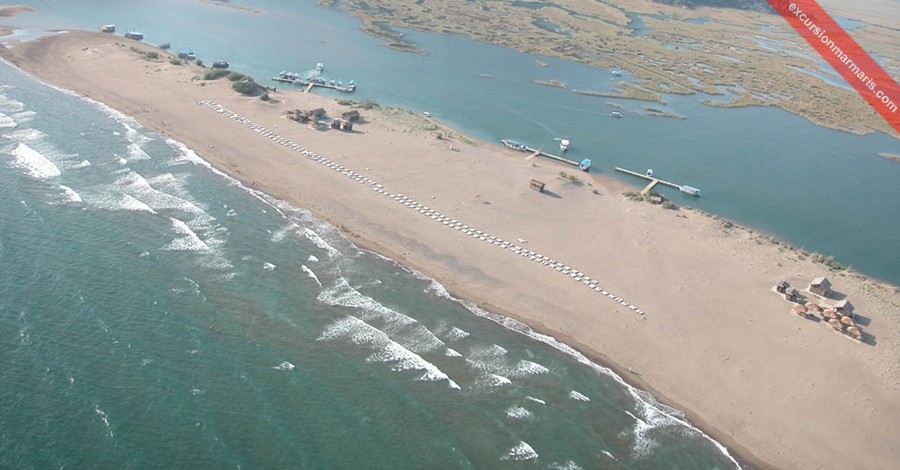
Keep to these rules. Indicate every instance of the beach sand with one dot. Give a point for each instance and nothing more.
(715, 341)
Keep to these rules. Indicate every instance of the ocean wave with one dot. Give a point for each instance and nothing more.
(655, 414)
(25, 135)
(341, 294)
(69, 194)
(23, 117)
(135, 152)
(450, 352)
(285, 366)
(567, 465)
(320, 242)
(33, 162)
(578, 396)
(10, 105)
(310, 273)
(386, 349)
(456, 334)
(7, 122)
(136, 185)
(188, 239)
(517, 412)
(524, 368)
(521, 451)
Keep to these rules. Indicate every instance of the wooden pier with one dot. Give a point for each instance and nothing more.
(540, 153)
(654, 181)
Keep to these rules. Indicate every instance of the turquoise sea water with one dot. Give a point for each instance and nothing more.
(154, 313)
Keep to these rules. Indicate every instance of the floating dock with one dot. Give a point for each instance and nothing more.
(584, 165)
(350, 87)
(654, 181)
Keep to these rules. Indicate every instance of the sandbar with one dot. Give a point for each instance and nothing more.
(714, 341)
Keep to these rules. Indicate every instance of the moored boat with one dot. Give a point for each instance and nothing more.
(511, 144)
(134, 35)
(221, 64)
(108, 28)
(585, 164)
(689, 190)
(563, 145)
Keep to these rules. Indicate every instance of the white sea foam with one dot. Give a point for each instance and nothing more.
(136, 185)
(187, 240)
(646, 404)
(269, 266)
(285, 366)
(69, 194)
(81, 164)
(283, 232)
(310, 273)
(567, 465)
(521, 451)
(25, 135)
(105, 419)
(10, 105)
(578, 396)
(536, 400)
(23, 117)
(517, 412)
(33, 162)
(343, 295)
(524, 368)
(494, 380)
(610, 455)
(312, 259)
(135, 152)
(319, 242)
(450, 352)
(7, 122)
(386, 349)
(456, 334)
(130, 203)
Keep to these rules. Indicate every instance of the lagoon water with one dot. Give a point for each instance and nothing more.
(156, 313)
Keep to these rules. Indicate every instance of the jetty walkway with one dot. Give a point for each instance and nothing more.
(437, 217)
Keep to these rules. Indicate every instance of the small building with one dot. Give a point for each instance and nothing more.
(791, 294)
(352, 115)
(844, 307)
(536, 185)
(820, 286)
(781, 286)
(317, 112)
(342, 125)
(656, 199)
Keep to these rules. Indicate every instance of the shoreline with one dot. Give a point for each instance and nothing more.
(473, 281)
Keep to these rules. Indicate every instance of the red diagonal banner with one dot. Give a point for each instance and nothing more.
(844, 54)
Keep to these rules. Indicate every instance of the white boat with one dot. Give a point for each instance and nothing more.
(563, 145)
(615, 114)
(689, 190)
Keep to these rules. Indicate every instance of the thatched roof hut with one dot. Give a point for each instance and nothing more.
(836, 325)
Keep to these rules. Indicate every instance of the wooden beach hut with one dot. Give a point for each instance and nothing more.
(536, 185)
(820, 286)
(844, 307)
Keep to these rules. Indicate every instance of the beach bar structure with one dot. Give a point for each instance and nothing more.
(820, 286)
(341, 125)
(844, 307)
(352, 115)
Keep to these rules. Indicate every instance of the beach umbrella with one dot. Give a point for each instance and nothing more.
(836, 325)
(798, 310)
(829, 313)
(855, 332)
(813, 307)
(848, 321)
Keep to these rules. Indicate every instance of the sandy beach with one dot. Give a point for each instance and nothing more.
(714, 341)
